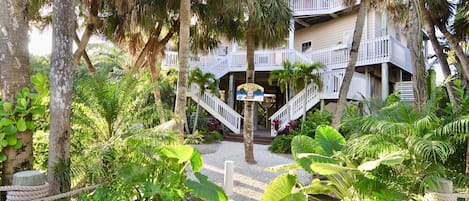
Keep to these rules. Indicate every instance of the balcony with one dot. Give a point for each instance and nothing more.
(373, 51)
(316, 7)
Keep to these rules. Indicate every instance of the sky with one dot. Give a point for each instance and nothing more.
(40, 43)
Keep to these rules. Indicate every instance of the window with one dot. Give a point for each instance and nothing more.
(305, 46)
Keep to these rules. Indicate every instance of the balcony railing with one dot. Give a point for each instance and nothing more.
(374, 51)
(316, 7)
(377, 50)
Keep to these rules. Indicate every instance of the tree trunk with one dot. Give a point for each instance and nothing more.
(15, 70)
(197, 110)
(93, 22)
(353, 55)
(61, 83)
(414, 42)
(248, 135)
(155, 76)
(430, 29)
(305, 101)
(91, 68)
(463, 58)
(184, 48)
(467, 157)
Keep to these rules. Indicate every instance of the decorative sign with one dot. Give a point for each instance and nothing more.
(250, 92)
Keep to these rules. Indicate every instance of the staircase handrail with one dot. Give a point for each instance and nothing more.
(220, 110)
(294, 108)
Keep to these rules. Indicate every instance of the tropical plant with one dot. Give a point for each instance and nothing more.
(142, 169)
(285, 78)
(204, 81)
(281, 144)
(325, 154)
(267, 25)
(308, 73)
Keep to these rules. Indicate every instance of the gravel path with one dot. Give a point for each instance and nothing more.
(250, 180)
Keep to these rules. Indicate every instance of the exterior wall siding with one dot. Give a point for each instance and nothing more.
(325, 34)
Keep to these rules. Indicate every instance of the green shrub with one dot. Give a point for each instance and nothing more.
(281, 144)
(313, 120)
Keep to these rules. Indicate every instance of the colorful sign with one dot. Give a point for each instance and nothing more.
(250, 92)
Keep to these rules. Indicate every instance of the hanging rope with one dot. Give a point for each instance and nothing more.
(36, 193)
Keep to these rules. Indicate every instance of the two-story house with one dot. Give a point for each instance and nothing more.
(322, 32)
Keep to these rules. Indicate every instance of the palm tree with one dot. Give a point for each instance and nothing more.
(267, 24)
(284, 78)
(204, 81)
(460, 33)
(184, 50)
(61, 96)
(307, 72)
(429, 26)
(353, 55)
(15, 76)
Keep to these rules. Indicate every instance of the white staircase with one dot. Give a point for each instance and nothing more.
(332, 81)
(294, 108)
(407, 91)
(217, 108)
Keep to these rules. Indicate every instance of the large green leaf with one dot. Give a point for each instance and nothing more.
(328, 169)
(21, 125)
(390, 159)
(196, 161)
(281, 189)
(302, 144)
(182, 153)
(283, 167)
(328, 140)
(10, 130)
(306, 159)
(205, 189)
(12, 140)
(317, 187)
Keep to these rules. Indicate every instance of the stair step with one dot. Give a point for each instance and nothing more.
(264, 140)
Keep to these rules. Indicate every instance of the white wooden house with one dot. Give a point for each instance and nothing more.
(322, 32)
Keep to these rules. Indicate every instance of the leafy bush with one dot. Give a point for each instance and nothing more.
(281, 144)
(313, 120)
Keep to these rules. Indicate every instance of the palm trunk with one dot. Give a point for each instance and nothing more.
(430, 29)
(353, 55)
(197, 110)
(414, 41)
(305, 101)
(184, 46)
(14, 68)
(61, 97)
(155, 76)
(248, 135)
(457, 49)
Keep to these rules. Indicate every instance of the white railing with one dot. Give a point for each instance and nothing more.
(294, 108)
(316, 7)
(406, 90)
(220, 110)
(373, 51)
(332, 81)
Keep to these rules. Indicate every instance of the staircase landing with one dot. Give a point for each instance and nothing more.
(261, 136)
